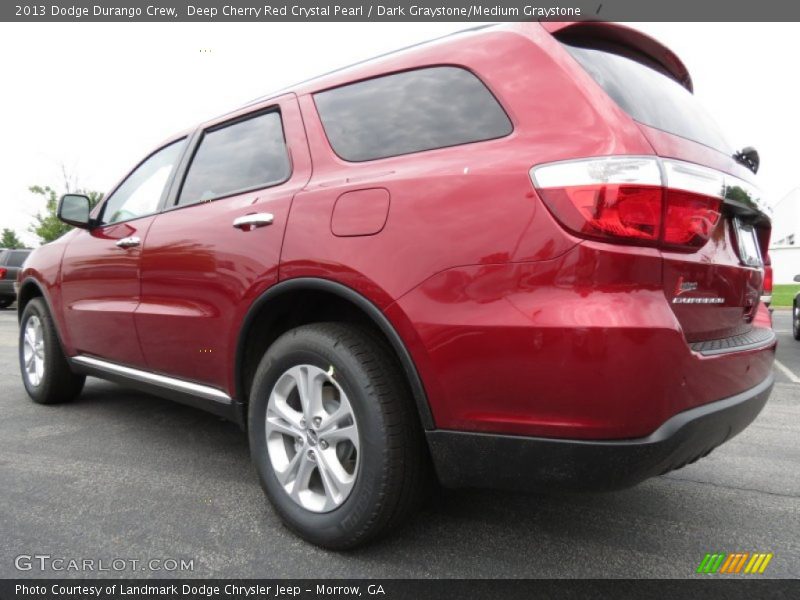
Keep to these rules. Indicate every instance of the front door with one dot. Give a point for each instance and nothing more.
(100, 268)
(218, 245)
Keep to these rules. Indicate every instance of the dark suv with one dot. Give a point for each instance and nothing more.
(11, 262)
(521, 254)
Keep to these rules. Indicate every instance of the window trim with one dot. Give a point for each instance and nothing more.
(101, 207)
(173, 201)
(399, 72)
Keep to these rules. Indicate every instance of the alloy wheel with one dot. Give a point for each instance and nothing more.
(33, 351)
(312, 438)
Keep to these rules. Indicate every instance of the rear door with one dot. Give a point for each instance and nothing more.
(713, 288)
(218, 243)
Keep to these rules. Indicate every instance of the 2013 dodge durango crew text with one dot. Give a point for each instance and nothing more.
(520, 256)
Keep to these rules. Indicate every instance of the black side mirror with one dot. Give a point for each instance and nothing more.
(73, 209)
(797, 278)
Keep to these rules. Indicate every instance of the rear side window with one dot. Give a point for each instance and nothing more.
(651, 97)
(409, 112)
(16, 259)
(237, 157)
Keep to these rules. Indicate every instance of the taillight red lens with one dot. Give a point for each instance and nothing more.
(768, 279)
(690, 218)
(3, 273)
(608, 211)
(634, 199)
(634, 213)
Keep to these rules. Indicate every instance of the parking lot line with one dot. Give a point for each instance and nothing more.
(786, 371)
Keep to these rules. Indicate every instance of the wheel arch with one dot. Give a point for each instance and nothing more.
(31, 288)
(302, 286)
(28, 290)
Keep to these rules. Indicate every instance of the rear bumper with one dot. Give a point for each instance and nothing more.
(584, 347)
(465, 459)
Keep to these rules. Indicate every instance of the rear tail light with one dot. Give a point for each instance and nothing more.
(766, 294)
(636, 200)
(768, 279)
(3, 273)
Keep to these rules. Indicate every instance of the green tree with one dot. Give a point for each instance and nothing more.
(47, 225)
(9, 239)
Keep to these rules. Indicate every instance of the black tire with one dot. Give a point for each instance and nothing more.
(796, 320)
(393, 468)
(6, 302)
(58, 383)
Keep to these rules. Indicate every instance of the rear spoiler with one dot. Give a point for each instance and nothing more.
(629, 41)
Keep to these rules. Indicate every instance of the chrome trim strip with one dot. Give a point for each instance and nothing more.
(195, 389)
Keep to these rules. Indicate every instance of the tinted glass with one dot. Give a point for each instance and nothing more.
(16, 259)
(651, 97)
(410, 112)
(243, 156)
(141, 192)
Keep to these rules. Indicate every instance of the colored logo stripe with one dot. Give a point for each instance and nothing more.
(758, 563)
(735, 563)
(711, 563)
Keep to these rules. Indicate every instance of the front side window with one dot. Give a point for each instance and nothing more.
(238, 157)
(410, 112)
(140, 194)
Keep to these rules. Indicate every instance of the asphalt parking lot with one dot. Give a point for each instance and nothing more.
(119, 474)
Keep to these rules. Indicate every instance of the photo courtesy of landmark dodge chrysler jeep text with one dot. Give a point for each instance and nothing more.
(520, 256)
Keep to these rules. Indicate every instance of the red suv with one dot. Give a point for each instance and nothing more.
(522, 255)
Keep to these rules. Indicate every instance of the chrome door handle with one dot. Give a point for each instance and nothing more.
(250, 222)
(129, 242)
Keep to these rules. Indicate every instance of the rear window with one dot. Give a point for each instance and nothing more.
(16, 259)
(651, 97)
(410, 112)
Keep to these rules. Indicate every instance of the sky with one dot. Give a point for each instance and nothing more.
(92, 99)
